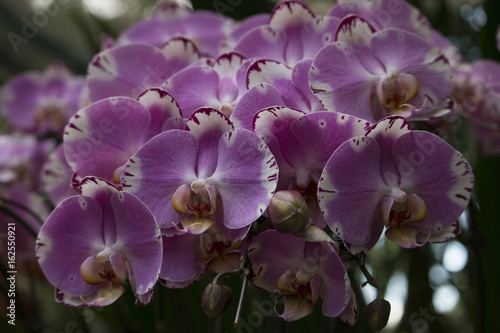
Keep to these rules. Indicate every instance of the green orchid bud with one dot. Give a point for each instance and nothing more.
(377, 313)
(216, 299)
(288, 211)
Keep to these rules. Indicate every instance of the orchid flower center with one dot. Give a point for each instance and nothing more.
(396, 90)
(98, 269)
(410, 210)
(297, 280)
(198, 203)
(401, 213)
(50, 116)
(221, 253)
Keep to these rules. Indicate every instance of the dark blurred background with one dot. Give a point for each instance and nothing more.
(448, 287)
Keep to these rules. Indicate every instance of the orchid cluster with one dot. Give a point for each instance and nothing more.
(274, 147)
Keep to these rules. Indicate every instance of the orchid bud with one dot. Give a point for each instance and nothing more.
(288, 211)
(377, 313)
(216, 299)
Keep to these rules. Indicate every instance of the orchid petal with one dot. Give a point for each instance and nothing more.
(207, 125)
(350, 189)
(162, 107)
(246, 177)
(138, 237)
(183, 263)
(102, 137)
(154, 173)
(75, 226)
(260, 96)
(436, 173)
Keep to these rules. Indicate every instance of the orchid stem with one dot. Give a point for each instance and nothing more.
(240, 302)
(369, 278)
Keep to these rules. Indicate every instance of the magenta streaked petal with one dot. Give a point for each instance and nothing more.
(101, 191)
(261, 96)
(387, 131)
(138, 237)
(375, 234)
(300, 78)
(440, 237)
(385, 14)
(321, 133)
(288, 14)
(207, 125)
(120, 71)
(193, 88)
(280, 76)
(291, 17)
(74, 227)
(438, 174)
(354, 30)
(277, 122)
(207, 29)
(180, 53)
(418, 57)
(349, 191)
(156, 171)
(102, 137)
(286, 171)
(162, 107)
(350, 313)
(343, 79)
(246, 177)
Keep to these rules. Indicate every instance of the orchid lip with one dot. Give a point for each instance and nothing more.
(396, 90)
(411, 210)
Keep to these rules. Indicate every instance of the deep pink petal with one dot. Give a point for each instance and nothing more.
(277, 122)
(261, 96)
(162, 109)
(246, 177)
(350, 189)
(183, 263)
(343, 78)
(207, 125)
(271, 255)
(335, 293)
(156, 171)
(102, 137)
(193, 88)
(138, 239)
(74, 227)
(386, 132)
(438, 174)
(321, 133)
(280, 76)
(263, 42)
